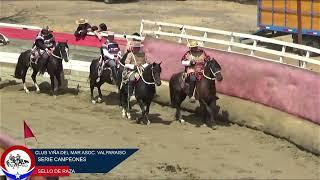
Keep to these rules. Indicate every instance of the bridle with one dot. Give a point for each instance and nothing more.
(141, 75)
(59, 57)
(213, 73)
(152, 73)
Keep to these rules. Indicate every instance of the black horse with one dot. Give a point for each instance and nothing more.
(205, 92)
(53, 66)
(144, 90)
(104, 77)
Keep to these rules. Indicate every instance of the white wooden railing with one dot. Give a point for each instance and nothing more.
(76, 65)
(179, 31)
(104, 34)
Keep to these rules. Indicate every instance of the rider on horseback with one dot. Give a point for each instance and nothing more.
(193, 60)
(135, 59)
(109, 52)
(43, 47)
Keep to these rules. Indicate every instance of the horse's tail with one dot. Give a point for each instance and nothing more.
(92, 68)
(21, 66)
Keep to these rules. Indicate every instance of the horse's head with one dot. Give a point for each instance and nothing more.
(63, 49)
(214, 69)
(156, 71)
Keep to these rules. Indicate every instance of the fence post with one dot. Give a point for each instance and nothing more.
(141, 27)
(304, 64)
(159, 30)
(254, 45)
(204, 36)
(283, 51)
(182, 30)
(231, 41)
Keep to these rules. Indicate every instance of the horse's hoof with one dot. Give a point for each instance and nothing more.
(27, 91)
(55, 96)
(93, 101)
(214, 127)
(204, 125)
(99, 100)
(123, 113)
(123, 116)
(38, 91)
(182, 121)
(148, 123)
(128, 115)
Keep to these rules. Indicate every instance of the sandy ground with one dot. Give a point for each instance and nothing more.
(167, 148)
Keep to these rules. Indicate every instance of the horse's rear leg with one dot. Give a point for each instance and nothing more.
(33, 76)
(91, 91)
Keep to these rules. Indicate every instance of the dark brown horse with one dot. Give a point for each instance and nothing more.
(144, 91)
(53, 66)
(205, 92)
(104, 77)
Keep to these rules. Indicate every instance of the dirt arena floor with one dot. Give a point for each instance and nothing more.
(167, 148)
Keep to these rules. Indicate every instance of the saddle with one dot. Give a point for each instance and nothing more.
(35, 54)
(127, 74)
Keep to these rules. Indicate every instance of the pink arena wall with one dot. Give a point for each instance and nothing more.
(282, 87)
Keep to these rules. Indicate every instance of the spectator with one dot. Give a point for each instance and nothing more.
(83, 28)
(97, 31)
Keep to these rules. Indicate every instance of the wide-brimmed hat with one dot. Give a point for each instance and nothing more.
(193, 44)
(136, 44)
(82, 21)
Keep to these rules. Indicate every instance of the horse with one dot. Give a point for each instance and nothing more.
(205, 92)
(53, 67)
(104, 77)
(144, 88)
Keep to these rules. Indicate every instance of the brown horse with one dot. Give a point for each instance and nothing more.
(205, 92)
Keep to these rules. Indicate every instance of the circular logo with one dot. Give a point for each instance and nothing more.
(17, 162)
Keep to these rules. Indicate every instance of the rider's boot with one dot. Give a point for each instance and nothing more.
(192, 87)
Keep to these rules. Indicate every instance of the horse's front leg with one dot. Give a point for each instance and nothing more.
(203, 112)
(58, 76)
(143, 110)
(100, 94)
(52, 85)
(211, 110)
(33, 76)
(147, 112)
